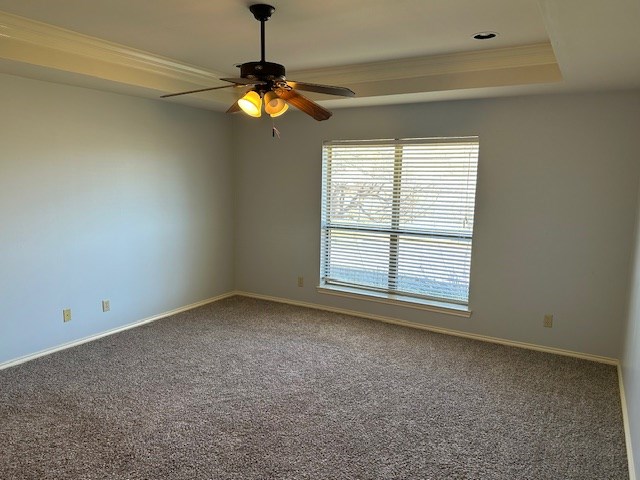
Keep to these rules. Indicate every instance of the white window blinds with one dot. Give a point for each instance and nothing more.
(397, 216)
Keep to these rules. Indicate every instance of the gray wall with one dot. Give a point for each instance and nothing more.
(104, 196)
(631, 353)
(111, 197)
(556, 206)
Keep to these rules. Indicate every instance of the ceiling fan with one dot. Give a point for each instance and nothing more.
(268, 83)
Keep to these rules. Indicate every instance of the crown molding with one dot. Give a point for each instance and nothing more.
(526, 56)
(504, 67)
(36, 43)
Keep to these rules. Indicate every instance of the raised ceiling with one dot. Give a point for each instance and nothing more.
(388, 52)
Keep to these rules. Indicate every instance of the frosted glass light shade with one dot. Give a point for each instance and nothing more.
(251, 104)
(274, 105)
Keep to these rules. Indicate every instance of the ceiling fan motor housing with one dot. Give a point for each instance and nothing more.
(262, 71)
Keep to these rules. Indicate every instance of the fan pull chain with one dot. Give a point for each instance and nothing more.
(274, 131)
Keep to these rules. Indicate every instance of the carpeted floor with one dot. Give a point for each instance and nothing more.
(248, 389)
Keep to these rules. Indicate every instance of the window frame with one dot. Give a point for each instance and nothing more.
(390, 294)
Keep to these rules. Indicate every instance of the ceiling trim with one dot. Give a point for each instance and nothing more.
(37, 43)
(475, 61)
(515, 66)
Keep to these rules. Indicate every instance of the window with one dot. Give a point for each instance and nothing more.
(397, 218)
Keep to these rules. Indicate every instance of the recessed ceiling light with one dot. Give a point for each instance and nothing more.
(485, 35)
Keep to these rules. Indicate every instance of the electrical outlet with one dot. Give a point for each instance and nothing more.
(301, 281)
(66, 315)
(548, 320)
(105, 306)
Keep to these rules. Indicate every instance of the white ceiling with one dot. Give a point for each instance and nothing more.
(387, 51)
(218, 34)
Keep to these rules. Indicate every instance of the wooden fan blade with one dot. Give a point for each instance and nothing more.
(195, 91)
(328, 89)
(234, 108)
(304, 104)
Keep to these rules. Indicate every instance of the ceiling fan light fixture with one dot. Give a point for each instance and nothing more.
(251, 104)
(283, 109)
(266, 78)
(274, 105)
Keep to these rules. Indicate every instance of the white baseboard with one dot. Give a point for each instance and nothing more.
(627, 428)
(380, 318)
(64, 346)
(421, 326)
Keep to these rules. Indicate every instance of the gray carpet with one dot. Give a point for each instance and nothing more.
(248, 389)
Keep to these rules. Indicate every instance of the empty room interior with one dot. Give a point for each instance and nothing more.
(341, 239)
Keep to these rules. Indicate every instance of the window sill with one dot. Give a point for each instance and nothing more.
(400, 300)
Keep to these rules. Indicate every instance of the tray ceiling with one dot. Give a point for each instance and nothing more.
(388, 52)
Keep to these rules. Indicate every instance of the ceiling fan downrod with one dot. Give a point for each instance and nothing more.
(262, 70)
(262, 12)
